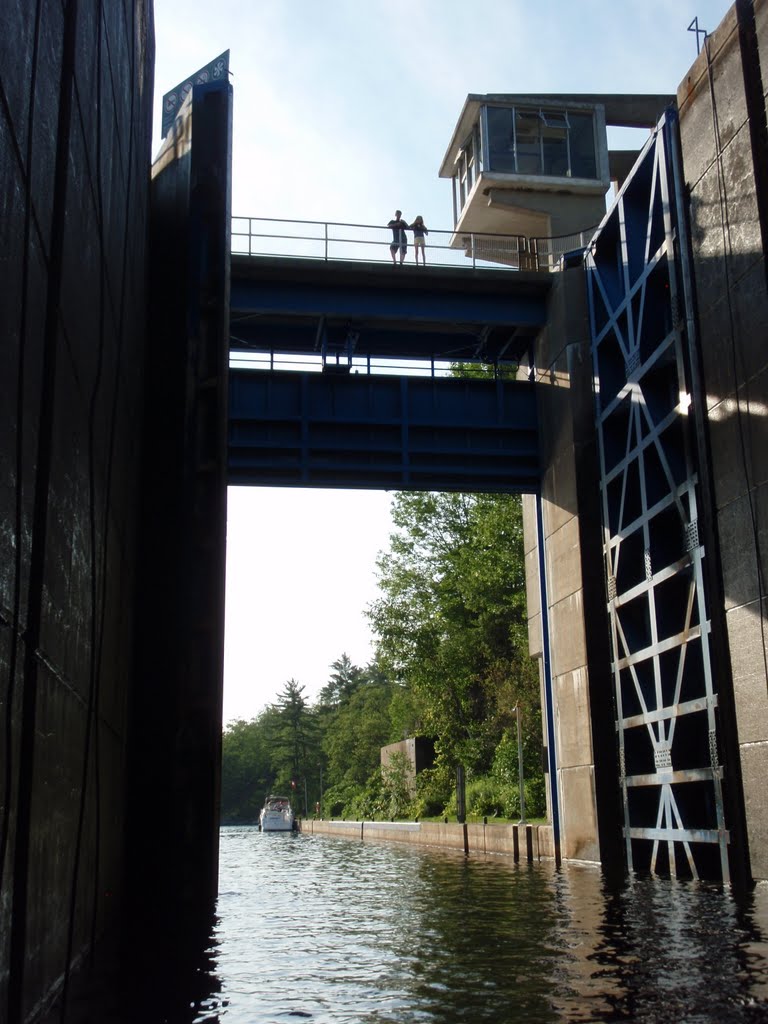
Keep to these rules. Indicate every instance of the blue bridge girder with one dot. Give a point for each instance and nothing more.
(405, 312)
(343, 428)
(301, 429)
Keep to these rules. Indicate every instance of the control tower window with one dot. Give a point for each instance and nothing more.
(527, 142)
(535, 141)
(501, 139)
(554, 145)
(582, 146)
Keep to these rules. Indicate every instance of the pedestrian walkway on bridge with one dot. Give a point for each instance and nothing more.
(328, 240)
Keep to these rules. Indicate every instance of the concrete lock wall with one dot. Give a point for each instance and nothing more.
(722, 104)
(724, 141)
(75, 136)
(522, 842)
(586, 772)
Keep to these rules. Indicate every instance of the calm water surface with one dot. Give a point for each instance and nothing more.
(331, 930)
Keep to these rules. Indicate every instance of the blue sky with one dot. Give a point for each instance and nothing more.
(343, 111)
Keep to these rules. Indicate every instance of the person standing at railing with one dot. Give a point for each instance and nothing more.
(399, 237)
(419, 229)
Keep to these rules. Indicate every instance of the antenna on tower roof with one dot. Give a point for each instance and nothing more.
(694, 27)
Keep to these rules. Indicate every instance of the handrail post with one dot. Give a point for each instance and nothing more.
(472, 240)
(325, 225)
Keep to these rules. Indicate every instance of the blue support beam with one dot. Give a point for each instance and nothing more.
(440, 313)
(387, 432)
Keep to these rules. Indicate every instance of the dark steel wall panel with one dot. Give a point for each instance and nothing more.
(75, 131)
(176, 701)
(302, 429)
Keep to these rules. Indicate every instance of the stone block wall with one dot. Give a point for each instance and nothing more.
(722, 104)
(75, 136)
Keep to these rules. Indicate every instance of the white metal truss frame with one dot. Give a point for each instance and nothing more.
(665, 695)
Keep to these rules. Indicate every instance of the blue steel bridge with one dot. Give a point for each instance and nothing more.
(303, 329)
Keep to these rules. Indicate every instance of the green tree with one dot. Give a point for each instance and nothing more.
(342, 683)
(246, 769)
(295, 743)
(396, 785)
(355, 735)
(451, 621)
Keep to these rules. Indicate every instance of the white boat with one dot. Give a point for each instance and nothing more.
(276, 815)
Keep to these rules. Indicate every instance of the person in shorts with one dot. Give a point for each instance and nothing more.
(399, 237)
(419, 229)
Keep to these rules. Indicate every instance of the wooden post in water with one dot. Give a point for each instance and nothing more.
(461, 795)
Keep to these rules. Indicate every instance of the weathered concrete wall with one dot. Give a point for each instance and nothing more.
(75, 136)
(566, 214)
(722, 104)
(725, 155)
(523, 842)
(419, 752)
(586, 772)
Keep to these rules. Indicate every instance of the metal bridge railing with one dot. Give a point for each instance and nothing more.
(547, 253)
(311, 362)
(329, 240)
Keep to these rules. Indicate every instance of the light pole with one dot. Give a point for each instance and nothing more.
(520, 766)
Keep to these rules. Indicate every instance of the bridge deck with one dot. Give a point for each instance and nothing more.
(441, 313)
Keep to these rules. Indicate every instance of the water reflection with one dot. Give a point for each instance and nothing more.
(473, 955)
(332, 930)
(665, 950)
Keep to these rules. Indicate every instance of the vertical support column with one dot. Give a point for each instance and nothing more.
(549, 708)
(176, 717)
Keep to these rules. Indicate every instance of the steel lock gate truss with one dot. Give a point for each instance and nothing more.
(666, 701)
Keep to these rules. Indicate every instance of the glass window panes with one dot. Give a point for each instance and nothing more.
(501, 140)
(582, 139)
(554, 143)
(528, 142)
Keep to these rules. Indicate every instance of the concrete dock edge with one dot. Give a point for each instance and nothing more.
(521, 842)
